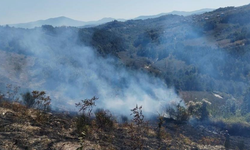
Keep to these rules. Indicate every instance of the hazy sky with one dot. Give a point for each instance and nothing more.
(19, 11)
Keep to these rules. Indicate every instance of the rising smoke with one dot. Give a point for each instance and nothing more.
(69, 73)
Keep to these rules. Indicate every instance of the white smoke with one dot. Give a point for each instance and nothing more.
(69, 73)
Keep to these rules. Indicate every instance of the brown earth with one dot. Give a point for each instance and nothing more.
(23, 128)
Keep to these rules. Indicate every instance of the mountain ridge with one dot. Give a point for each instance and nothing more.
(62, 21)
(180, 13)
(65, 21)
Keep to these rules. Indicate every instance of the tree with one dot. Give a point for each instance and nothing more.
(178, 112)
(86, 106)
(41, 100)
(28, 99)
(137, 129)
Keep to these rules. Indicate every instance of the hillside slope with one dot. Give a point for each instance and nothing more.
(200, 52)
(180, 13)
(206, 52)
(27, 128)
(154, 62)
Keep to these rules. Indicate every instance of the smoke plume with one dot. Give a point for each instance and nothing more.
(69, 72)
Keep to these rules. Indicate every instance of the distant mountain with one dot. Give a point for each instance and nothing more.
(59, 21)
(180, 13)
(62, 21)
(102, 21)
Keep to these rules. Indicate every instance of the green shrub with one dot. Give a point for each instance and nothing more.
(199, 110)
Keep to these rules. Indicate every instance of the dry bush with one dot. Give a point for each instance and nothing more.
(6, 104)
(185, 139)
(88, 126)
(38, 100)
(159, 129)
(28, 100)
(1, 97)
(41, 117)
(124, 120)
(161, 133)
(17, 107)
(42, 101)
(178, 112)
(164, 135)
(210, 141)
(86, 106)
(84, 123)
(199, 110)
(11, 97)
(12, 93)
(104, 120)
(137, 129)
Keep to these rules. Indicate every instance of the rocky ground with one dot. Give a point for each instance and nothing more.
(22, 128)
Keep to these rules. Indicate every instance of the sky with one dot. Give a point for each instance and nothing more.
(21, 11)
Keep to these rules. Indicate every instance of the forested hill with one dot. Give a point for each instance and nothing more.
(189, 74)
(207, 52)
(204, 52)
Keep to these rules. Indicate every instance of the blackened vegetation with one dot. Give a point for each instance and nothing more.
(99, 129)
(42, 101)
(137, 129)
(26, 128)
(234, 129)
(177, 112)
(102, 122)
(86, 106)
(84, 121)
(28, 99)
